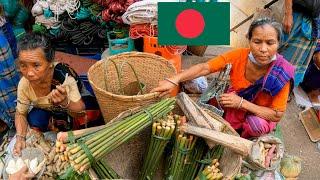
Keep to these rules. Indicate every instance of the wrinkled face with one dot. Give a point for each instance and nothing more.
(264, 43)
(33, 65)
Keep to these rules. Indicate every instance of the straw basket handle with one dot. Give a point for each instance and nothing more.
(119, 74)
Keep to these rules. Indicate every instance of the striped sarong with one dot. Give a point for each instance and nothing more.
(9, 79)
(298, 47)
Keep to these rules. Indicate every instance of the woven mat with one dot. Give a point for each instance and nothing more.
(311, 123)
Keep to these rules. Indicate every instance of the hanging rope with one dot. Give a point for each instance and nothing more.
(141, 12)
(176, 50)
(115, 9)
(139, 30)
(82, 32)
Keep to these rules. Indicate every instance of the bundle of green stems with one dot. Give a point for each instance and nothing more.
(196, 155)
(92, 148)
(180, 155)
(162, 131)
(104, 171)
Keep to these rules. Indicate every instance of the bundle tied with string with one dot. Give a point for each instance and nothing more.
(161, 135)
(108, 82)
(84, 151)
(181, 152)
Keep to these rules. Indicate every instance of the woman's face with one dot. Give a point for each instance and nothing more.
(33, 65)
(264, 43)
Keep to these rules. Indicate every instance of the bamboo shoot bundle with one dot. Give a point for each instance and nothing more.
(104, 171)
(180, 155)
(197, 153)
(93, 147)
(161, 135)
(211, 172)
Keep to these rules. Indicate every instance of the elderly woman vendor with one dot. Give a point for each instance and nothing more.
(261, 80)
(47, 92)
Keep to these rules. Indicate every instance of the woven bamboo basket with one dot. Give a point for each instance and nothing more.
(127, 159)
(104, 79)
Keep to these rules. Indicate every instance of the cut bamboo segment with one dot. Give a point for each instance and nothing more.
(235, 143)
(198, 116)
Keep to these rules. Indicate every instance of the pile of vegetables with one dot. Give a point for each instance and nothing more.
(55, 163)
(161, 135)
(92, 147)
(268, 153)
(211, 172)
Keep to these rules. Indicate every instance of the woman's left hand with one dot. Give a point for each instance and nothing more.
(59, 96)
(230, 100)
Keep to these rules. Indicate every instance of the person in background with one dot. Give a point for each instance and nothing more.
(9, 77)
(50, 94)
(311, 80)
(300, 25)
(260, 80)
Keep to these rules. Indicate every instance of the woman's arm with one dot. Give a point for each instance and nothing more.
(263, 112)
(193, 72)
(21, 125)
(288, 17)
(75, 106)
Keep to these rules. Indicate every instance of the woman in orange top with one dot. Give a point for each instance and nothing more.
(260, 80)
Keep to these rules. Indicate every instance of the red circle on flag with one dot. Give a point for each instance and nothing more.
(190, 23)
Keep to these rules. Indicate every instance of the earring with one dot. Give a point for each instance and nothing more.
(51, 66)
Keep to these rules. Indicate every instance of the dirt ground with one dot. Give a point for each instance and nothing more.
(297, 142)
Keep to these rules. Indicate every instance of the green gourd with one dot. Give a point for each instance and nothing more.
(290, 167)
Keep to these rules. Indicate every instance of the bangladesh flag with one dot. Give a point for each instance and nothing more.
(194, 23)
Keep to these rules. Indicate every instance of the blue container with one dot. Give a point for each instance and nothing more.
(117, 46)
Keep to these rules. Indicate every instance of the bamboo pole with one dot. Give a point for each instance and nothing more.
(235, 143)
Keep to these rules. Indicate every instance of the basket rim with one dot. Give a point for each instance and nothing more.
(126, 97)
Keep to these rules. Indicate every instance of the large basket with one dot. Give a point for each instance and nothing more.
(104, 80)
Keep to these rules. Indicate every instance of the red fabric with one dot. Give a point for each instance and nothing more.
(91, 115)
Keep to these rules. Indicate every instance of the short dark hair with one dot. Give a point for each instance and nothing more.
(264, 21)
(33, 41)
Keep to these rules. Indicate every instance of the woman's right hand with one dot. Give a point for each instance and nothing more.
(19, 146)
(165, 87)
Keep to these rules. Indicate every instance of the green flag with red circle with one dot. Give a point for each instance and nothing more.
(194, 23)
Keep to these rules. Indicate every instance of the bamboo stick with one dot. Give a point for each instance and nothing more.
(235, 143)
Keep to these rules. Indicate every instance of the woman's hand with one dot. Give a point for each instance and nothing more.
(230, 100)
(287, 23)
(19, 146)
(59, 96)
(165, 87)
